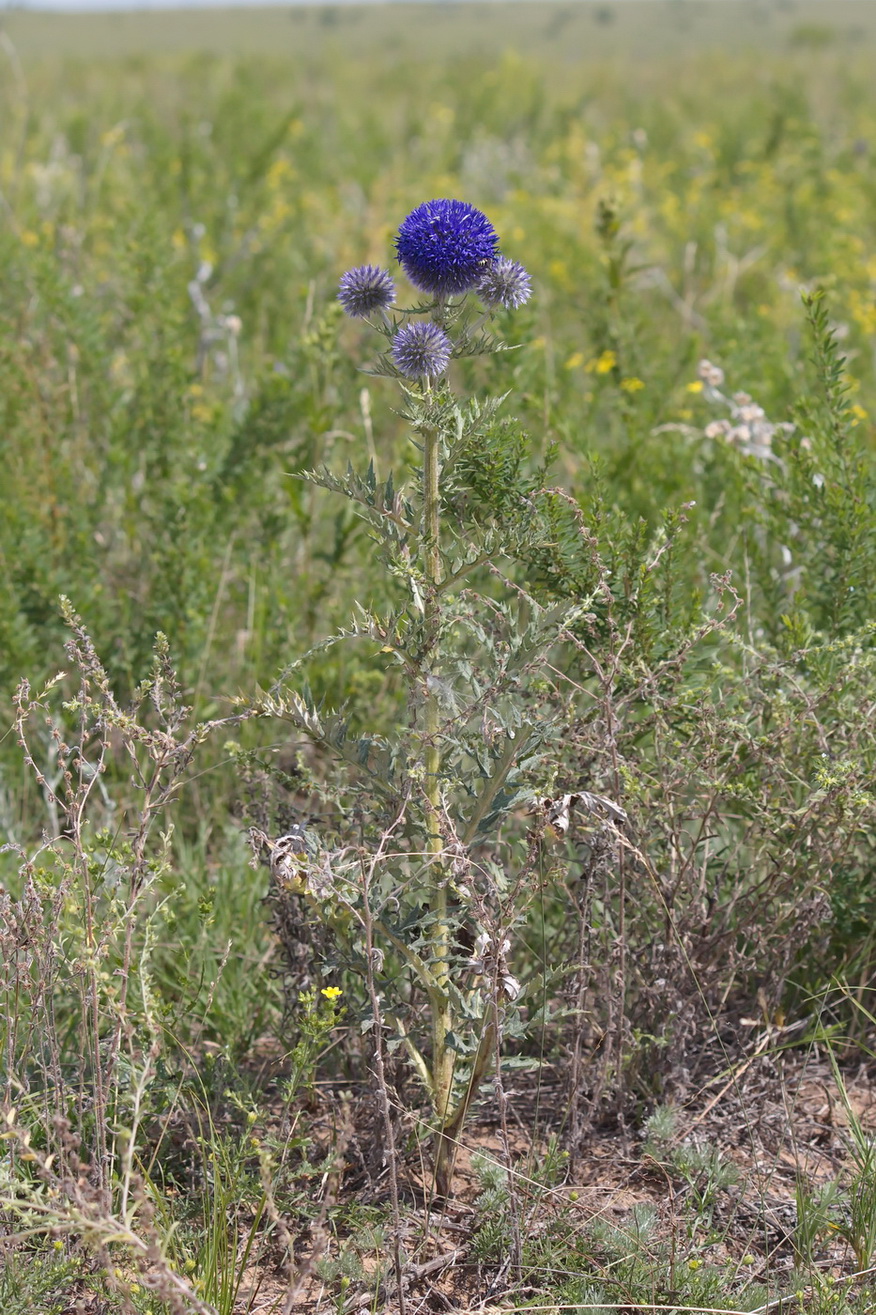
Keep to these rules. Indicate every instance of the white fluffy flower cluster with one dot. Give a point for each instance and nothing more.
(747, 428)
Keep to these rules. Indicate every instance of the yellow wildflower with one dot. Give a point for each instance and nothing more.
(603, 364)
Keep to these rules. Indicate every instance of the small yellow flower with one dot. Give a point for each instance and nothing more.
(576, 359)
(603, 364)
(696, 386)
(632, 385)
(331, 992)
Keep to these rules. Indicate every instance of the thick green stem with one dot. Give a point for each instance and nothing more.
(442, 1055)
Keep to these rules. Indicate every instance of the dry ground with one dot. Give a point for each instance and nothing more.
(775, 1113)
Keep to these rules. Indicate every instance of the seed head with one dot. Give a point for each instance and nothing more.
(444, 247)
(365, 289)
(421, 350)
(506, 284)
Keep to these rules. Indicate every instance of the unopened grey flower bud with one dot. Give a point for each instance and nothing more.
(421, 350)
(365, 289)
(505, 284)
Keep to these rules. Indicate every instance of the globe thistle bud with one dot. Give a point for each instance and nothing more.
(504, 284)
(365, 289)
(445, 246)
(421, 350)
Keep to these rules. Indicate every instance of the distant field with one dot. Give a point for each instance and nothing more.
(562, 33)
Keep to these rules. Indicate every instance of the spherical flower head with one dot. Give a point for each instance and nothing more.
(421, 350)
(505, 284)
(445, 246)
(365, 289)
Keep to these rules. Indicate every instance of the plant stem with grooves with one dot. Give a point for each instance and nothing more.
(442, 1056)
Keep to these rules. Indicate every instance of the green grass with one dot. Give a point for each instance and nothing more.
(158, 505)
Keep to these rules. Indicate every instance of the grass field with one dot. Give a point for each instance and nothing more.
(591, 842)
(562, 35)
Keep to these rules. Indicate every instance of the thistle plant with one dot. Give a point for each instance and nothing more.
(426, 901)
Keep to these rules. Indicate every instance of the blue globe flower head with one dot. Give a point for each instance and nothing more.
(421, 350)
(505, 284)
(365, 289)
(444, 247)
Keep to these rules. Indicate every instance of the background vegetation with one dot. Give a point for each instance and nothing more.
(171, 355)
